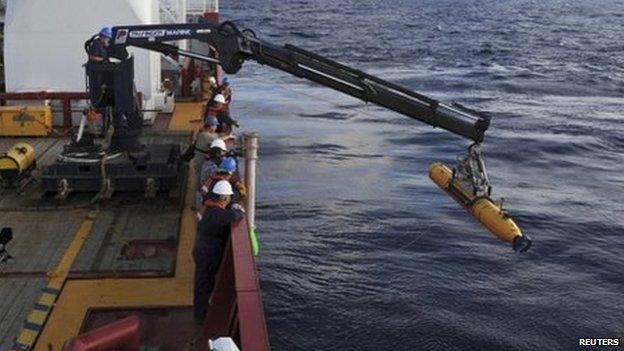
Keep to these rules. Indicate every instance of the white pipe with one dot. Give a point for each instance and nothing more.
(83, 120)
(172, 61)
(251, 155)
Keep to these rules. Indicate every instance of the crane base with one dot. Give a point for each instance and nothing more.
(154, 169)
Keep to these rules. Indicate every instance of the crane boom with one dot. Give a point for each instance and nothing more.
(235, 46)
(467, 183)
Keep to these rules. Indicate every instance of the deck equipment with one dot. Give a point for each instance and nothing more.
(6, 235)
(125, 164)
(25, 120)
(17, 165)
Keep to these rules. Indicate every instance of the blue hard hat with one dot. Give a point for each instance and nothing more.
(228, 164)
(211, 121)
(226, 81)
(106, 32)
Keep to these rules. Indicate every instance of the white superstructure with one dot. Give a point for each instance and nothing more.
(44, 42)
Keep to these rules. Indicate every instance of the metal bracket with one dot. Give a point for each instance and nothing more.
(6, 235)
(503, 210)
(471, 172)
(4, 254)
(107, 189)
(151, 188)
(63, 190)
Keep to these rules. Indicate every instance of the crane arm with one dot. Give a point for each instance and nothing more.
(467, 183)
(235, 47)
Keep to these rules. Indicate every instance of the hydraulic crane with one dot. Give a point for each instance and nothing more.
(467, 183)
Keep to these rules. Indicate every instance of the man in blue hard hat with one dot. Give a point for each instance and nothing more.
(218, 107)
(224, 171)
(207, 134)
(227, 170)
(98, 48)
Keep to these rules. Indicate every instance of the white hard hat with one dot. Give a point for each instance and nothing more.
(219, 98)
(222, 344)
(218, 143)
(223, 187)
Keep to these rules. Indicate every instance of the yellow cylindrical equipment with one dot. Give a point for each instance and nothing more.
(15, 162)
(490, 215)
(493, 218)
(443, 176)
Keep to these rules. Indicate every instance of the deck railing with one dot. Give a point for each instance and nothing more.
(236, 309)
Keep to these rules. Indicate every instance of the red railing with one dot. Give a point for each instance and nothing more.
(236, 309)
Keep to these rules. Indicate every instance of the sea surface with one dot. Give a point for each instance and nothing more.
(361, 251)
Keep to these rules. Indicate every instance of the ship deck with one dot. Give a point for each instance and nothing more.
(78, 264)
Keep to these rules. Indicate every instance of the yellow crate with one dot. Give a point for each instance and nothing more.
(25, 120)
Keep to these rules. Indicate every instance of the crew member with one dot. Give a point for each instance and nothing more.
(207, 165)
(98, 48)
(218, 108)
(213, 87)
(225, 171)
(203, 142)
(212, 160)
(100, 82)
(212, 234)
(207, 134)
(215, 106)
(226, 90)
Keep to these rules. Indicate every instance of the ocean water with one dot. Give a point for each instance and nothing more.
(360, 251)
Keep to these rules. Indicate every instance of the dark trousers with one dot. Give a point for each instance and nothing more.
(207, 260)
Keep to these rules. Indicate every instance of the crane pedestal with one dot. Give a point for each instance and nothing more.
(127, 165)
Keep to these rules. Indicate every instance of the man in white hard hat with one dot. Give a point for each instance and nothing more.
(213, 159)
(213, 231)
(215, 106)
(220, 99)
(207, 163)
(218, 107)
(226, 171)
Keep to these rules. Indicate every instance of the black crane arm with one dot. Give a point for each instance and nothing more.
(235, 46)
(467, 183)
